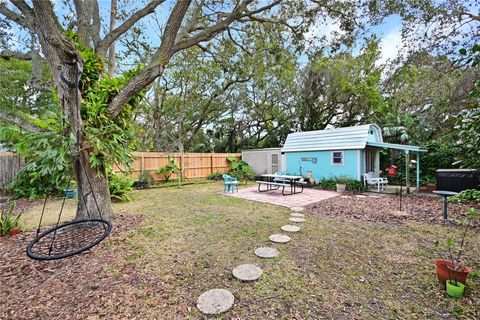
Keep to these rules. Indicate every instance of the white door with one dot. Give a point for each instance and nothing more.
(275, 162)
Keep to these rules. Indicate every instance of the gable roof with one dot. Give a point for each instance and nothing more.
(332, 139)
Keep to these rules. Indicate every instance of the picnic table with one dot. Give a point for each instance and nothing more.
(445, 195)
(275, 181)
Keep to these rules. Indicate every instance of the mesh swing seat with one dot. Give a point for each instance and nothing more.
(68, 239)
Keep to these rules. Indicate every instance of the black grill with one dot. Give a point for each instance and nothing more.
(457, 180)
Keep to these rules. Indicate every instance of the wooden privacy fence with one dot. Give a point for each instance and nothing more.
(10, 164)
(192, 165)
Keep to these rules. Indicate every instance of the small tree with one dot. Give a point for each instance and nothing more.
(169, 169)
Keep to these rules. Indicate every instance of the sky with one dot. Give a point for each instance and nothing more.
(389, 33)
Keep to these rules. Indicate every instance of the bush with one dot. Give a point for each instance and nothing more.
(355, 185)
(328, 184)
(240, 169)
(119, 185)
(469, 195)
(169, 169)
(215, 176)
(144, 181)
(351, 184)
(9, 224)
(47, 167)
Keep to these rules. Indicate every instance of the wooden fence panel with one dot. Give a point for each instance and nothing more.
(9, 166)
(192, 165)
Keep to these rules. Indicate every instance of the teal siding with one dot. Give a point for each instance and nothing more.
(373, 135)
(323, 168)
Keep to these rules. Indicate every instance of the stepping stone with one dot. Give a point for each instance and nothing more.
(298, 215)
(247, 272)
(297, 220)
(279, 238)
(215, 301)
(360, 196)
(297, 208)
(290, 228)
(266, 253)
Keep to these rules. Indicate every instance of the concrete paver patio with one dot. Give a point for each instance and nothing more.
(308, 196)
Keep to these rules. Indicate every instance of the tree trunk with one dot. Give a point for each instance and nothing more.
(93, 192)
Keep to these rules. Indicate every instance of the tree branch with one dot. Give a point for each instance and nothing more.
(18, 121)
(104, 44)
(24, 8)
(8, 54)
(15, 17)
(209, 32)
(160, 59)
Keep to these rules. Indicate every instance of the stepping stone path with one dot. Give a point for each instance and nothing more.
(290, 228)
(279, 238)
(298, 215)
(215, 301)
(297, 219)
(266, 252)
(247, 272)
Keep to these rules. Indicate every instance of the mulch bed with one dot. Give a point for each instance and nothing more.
(385, 209)
(71, 288)
(21, 205)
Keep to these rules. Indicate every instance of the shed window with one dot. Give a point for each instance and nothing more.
(337, 158)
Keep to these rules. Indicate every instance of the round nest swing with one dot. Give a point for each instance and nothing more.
(68, 239)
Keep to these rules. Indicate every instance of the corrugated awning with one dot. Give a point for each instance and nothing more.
(396, 146)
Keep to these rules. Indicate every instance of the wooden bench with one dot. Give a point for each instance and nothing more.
(277, 185)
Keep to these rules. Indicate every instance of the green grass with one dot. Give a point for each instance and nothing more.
(192, 237)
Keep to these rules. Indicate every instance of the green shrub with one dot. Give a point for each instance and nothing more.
(215, 176)
(47, 168)
(469, 195)
(240, 169)
(144, 181)
(119, 185)
(327, 184)
(355, 185)
(8, 223)
(331, 183)
(169, 169)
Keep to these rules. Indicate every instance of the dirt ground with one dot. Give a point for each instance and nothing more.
(386, 208)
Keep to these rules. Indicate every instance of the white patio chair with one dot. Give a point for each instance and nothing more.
(370, 178)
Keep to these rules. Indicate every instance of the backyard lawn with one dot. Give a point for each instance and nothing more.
(170, 245)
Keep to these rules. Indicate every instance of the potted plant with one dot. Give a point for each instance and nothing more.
(341, 183)
(452, 271)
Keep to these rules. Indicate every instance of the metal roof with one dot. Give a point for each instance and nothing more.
(356, 137)
(331, 139)
(396, 146)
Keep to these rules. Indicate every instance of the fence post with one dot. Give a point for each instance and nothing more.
(211, 164)
(182, 165)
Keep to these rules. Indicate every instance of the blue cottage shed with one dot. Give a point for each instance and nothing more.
(350, 151)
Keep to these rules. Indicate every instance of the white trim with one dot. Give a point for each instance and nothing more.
(337, 164)
(359, 177)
